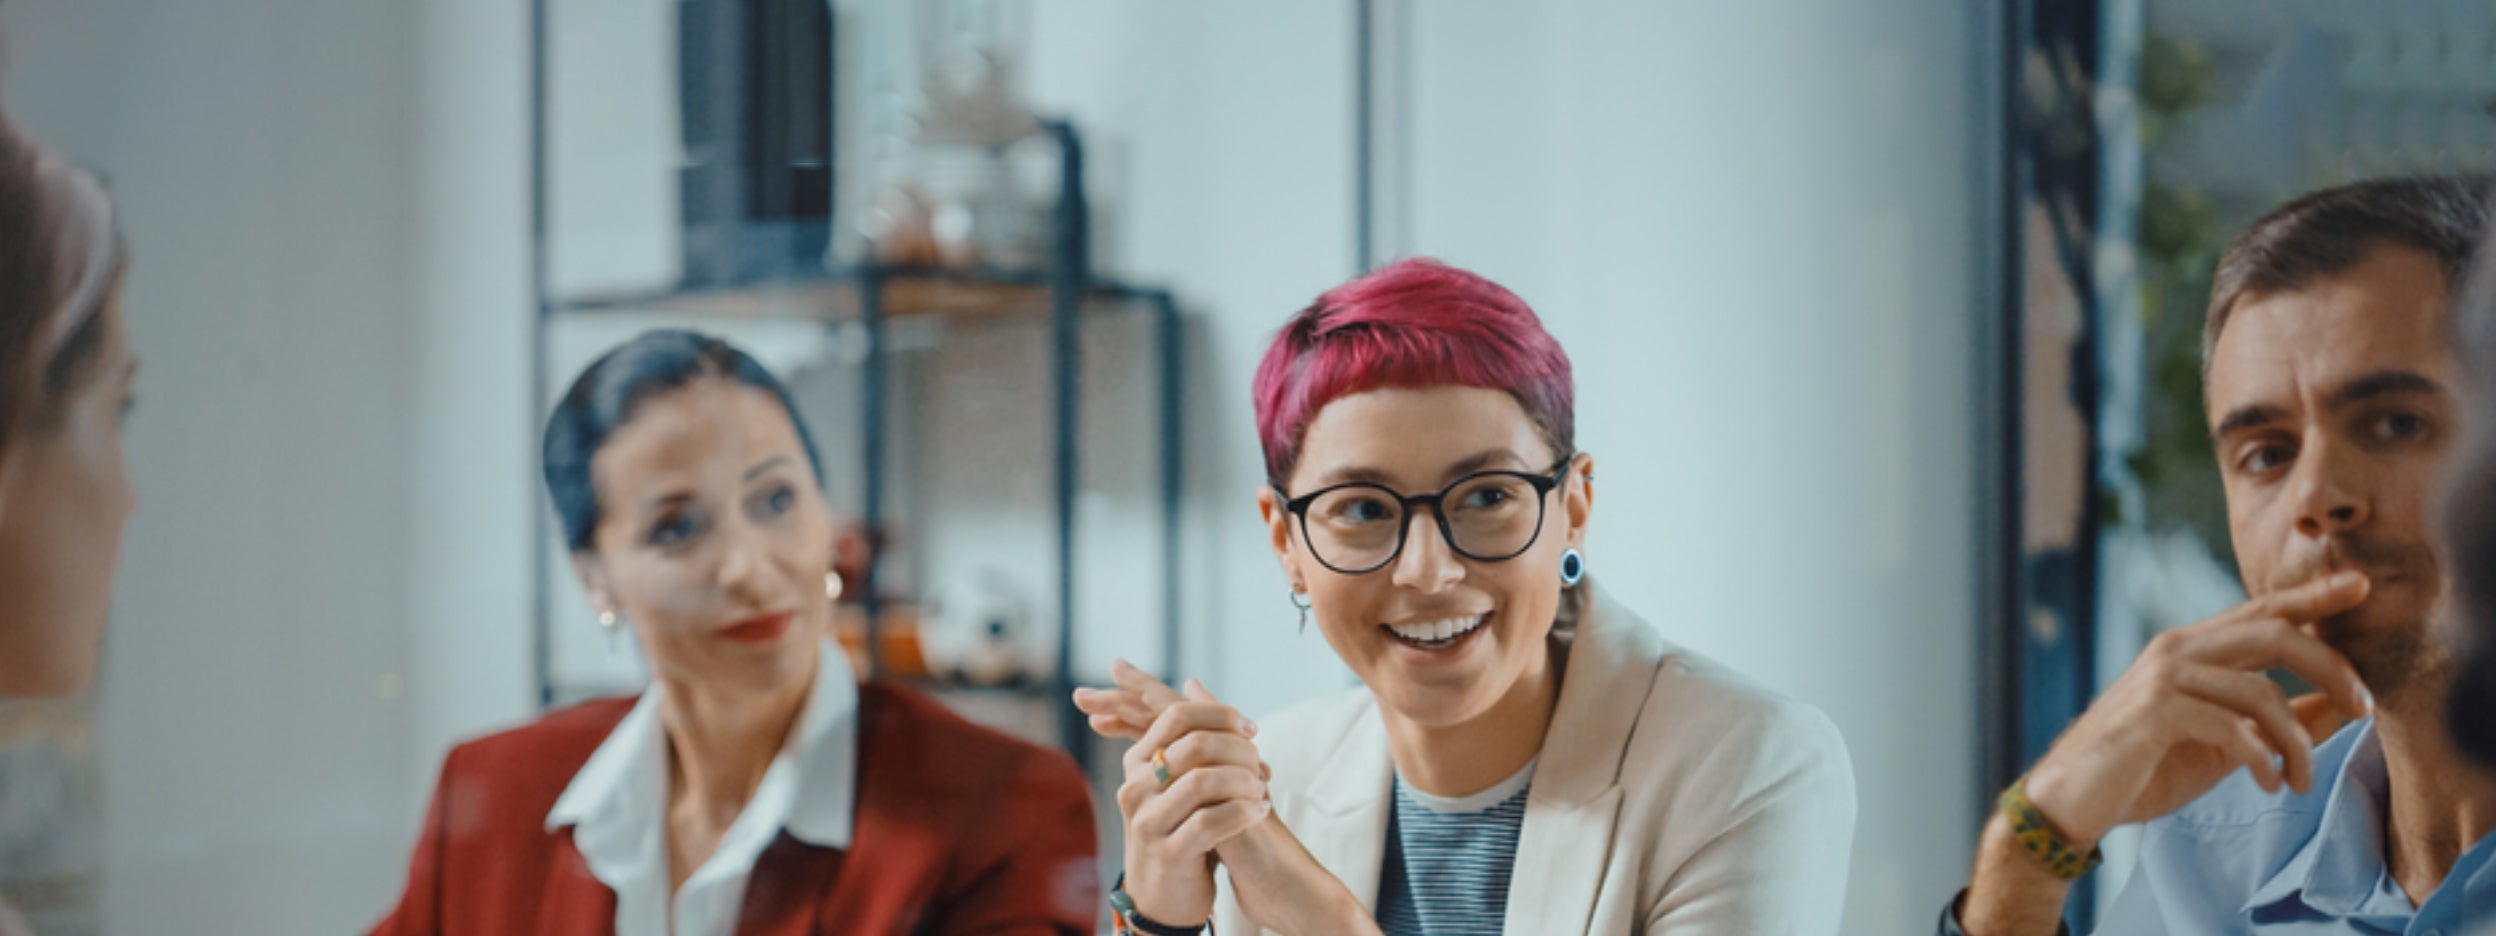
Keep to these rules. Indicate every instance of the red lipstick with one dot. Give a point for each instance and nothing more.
(759, 629)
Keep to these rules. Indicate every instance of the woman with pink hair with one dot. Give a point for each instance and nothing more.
(1524, 754)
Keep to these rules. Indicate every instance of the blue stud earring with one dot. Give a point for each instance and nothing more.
(1572, 568)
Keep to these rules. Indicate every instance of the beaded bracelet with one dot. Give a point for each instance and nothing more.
(2039, 837)
(1122, 912)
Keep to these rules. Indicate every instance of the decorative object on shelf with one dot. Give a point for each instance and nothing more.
(976, 636)
(899, 654)
(978, 215)
(754, 86)
(954, 178)
(899, 228)
(967, 52)
(855, 548)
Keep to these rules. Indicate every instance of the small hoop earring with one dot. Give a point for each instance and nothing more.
(1572, 568)
(1300, 600)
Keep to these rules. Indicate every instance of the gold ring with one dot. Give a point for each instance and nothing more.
(1161, 766)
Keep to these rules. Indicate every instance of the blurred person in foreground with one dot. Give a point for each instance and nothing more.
(2469, 531)
(66, 372)
(756, 787)
(2330, 386)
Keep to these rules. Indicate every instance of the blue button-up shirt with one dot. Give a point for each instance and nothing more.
(2242, 861)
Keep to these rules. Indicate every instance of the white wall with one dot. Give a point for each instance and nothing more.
(473, 440)
(1750, 224)
(1221, 142)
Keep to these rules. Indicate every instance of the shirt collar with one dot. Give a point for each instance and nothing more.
(2339, 870)
(827, 755)
(619, 796)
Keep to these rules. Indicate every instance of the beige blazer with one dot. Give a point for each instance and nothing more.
(1672, 798)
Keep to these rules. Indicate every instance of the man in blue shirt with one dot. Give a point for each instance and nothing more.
(2327, 376)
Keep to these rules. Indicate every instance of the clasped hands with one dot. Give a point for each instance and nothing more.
(1195, 796)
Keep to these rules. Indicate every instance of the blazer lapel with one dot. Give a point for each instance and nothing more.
(788, 888)
(1561, 856)
(1574, 810)
(575, 900)
(1342, 817)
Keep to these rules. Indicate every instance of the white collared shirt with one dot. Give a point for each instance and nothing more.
(617, 808)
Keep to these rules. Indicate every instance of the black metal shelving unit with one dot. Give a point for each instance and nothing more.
(863, 300)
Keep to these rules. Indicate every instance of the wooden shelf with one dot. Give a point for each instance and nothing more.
(839, 296)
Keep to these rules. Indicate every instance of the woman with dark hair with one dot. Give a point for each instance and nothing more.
(65, 380)
(1524, 755)
(757, 786)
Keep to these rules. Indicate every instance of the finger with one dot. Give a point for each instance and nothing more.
(2233, 736)
(1112, 726)
(1137, 713)
(1162, 811)
(1208, 828)
(2265, 643)
(2320, 598)
(1141, 787)
(1177, 720)
(1196, 692)
(1136, 790)
(1200, 749)
(1121, 703)
(2254, 696)
(1265, 771)
(1154, 693)
(2320, 714)
(1092, 701)
(2324, 668)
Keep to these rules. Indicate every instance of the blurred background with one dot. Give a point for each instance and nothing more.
(1882, 318)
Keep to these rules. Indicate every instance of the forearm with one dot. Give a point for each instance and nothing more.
(1283, 888)
(2011, 893)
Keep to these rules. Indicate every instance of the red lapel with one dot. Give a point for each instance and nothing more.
(575, 900)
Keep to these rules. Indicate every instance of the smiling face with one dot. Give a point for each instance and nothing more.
(1439, 638)
(713, 539)
(2331, 415)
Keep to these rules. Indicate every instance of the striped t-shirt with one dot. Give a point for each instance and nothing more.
(1448, 860)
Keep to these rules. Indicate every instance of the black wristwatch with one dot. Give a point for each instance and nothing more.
(1122, 913)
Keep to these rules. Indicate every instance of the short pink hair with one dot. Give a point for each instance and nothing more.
(1416, 323)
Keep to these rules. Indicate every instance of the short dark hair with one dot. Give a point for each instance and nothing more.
(2329, 231)
(606, 395)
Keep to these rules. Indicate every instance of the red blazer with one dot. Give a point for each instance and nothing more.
(959, 830)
